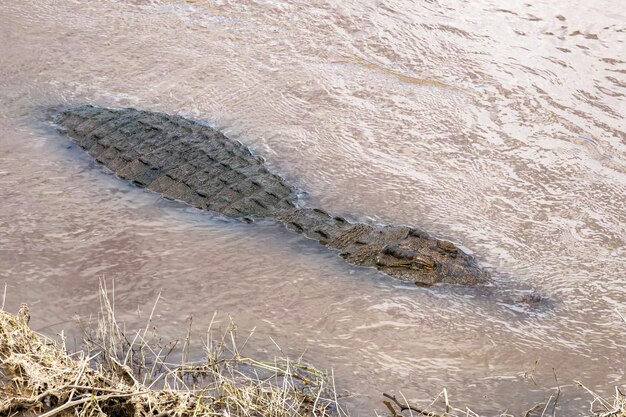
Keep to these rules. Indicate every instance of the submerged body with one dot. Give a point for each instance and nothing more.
(185, 160)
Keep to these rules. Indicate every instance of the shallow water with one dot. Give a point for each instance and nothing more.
(501, 129)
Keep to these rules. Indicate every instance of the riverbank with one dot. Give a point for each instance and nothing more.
(124, 374)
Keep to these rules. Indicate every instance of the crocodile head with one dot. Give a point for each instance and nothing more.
(427, 261)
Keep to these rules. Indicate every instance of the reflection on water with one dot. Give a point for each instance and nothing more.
(501, 129)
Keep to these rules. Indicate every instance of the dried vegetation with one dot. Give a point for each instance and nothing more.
(120, 374)
(128, 375)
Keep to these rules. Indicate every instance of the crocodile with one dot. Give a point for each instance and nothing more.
(186, 160)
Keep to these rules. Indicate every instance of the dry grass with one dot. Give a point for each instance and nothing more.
(398, 406)
(128, 375)
(441, 407)
(602, 407)
(123, 374)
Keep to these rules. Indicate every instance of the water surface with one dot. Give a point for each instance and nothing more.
(499, 127)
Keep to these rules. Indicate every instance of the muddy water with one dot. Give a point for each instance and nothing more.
(498, 127)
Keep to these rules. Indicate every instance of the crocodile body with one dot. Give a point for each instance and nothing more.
(188, 161)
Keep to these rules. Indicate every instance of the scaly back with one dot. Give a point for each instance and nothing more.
(185, 160)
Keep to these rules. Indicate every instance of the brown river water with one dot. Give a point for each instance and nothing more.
(497, 125)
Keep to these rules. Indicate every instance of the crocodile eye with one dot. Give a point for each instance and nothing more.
(396, 256)
(447, 246)
(399, 252)
(424, 262)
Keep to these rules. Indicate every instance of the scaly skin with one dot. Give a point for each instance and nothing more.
(185, 160)
(399, 251)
